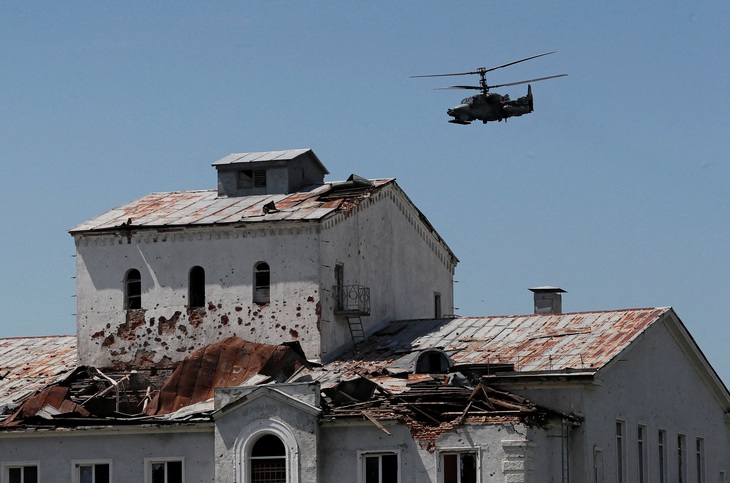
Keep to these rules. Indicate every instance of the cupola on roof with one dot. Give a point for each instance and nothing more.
(270, 172)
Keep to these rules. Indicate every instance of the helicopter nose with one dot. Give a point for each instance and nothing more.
(456, 111)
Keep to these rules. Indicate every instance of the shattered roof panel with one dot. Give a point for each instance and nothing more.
(184, 208)
(28, 364)
(584, 341)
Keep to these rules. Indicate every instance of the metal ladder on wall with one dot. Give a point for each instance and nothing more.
(356, 330)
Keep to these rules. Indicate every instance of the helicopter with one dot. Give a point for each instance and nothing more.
(488, 106)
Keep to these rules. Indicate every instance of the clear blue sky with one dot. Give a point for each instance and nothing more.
(615, 188)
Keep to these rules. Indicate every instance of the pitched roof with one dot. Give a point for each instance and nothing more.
(205, 207)
(581, 342)
(28, 364)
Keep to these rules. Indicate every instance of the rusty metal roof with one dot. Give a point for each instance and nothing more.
(28, 364)
(205, 207)
(573, 342)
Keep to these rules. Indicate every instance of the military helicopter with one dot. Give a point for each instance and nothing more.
(488, 106)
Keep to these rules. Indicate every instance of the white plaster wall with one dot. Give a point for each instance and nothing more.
(167, 330)
(506, 454)
(652, 384)
(126, 450)
(303, 426)
(384, 245)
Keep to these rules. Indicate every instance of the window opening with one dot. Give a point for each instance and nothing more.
(437, 314)
(643, 455)
(662, 446)
(133, 290)
(432, 362)
(620, 452)
(166, 472)
(700, 460)
(459, 467)
(597, 465)
(681, 458)
(268, 460)
(196, 287)
(22, 474)
(381, 468)
(93, 473)
(262, 283)
(339, 284)
(252, 178)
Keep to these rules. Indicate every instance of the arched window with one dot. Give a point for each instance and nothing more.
(196, 287)
(261, 283)
(268, 460)
(432, 362)
(132, 290)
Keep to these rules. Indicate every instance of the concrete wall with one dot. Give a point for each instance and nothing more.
(166, 330)
(384, 245)
(653, 384)
(125, 448)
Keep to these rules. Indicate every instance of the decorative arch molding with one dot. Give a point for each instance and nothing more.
(248, 437)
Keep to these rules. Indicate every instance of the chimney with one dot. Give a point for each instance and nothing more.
(548, 300)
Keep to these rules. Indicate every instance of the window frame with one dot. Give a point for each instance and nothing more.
(248, 437)
(597, 473)
(458, 451)
(682, 459)
(621, 451)
(76, 464)
(700, 458)
(148, 462)
(642, 447)
(363, 454)
(662, 456)
(438, 312)
(7, 466)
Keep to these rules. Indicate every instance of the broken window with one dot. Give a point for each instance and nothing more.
(268, 460)
(681, 458)
(432, 362)
(459, 467)
(262, 283)
(165, 471)
(339, 286)
(380, 468)
(196, 287)
(251, 178)
(132, 290)
(92, 472)
(20, 473)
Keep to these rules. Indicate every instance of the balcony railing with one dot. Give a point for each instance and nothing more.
(351, 300)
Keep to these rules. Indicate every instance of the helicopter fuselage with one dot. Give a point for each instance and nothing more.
(490, 107)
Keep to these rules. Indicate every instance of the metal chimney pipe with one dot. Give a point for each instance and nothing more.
(548, 300)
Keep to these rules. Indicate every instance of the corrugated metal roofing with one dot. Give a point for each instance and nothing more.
(185, 208)
(584, 341)
(284, 155)
(28, 364)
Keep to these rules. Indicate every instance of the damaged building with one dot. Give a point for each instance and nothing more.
(282, 328)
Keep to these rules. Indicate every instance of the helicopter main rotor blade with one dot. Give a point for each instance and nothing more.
(528, 81)
(443, 75)
(476, 88)
(521, 60)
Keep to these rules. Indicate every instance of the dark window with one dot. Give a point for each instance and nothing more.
(196, 287)
(340, 286)
(133, 290)
(437, 306)
(432, 362)
(381, 468)
(268, 460)
(97, 473)
(252, 178)
(460, 468)
(23, 474)
(167, 472)
(262, 283)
